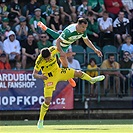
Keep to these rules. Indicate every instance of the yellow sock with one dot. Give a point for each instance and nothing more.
(43, 111)
(86, 77)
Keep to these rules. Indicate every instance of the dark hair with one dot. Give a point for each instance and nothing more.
(82, 20)
(106, 12)
(111, 54)
(45, 52)
(92, 59)
(126, 52)
(128, 36)
(90, 13)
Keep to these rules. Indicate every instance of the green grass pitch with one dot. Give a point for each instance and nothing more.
(68, 126)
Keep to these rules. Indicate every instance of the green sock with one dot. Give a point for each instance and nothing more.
(43, 111)
(51, 32)
(86, 77)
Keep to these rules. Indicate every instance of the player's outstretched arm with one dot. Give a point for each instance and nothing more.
(89, 44)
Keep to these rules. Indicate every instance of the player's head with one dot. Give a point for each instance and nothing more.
(46, 53)
(82, 25)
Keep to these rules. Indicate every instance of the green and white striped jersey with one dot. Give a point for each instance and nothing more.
(70, 35)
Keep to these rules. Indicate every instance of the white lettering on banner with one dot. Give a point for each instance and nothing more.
(28, 100)
(17, 80)
(16, 77)
(5, 100)
(19, 100)
(3, 85)
(12, 100)
(20, 84)
(59, 101)
(17, 84)
(34, 99)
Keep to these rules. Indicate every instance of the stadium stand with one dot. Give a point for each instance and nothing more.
(80, 54)
(110, 49)
(91, 53)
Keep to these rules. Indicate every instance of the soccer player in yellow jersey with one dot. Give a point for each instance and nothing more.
(69, 35)
(52, 74)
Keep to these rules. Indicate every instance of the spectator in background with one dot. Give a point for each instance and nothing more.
(1, 46)
(33, 23)
(31, 6)
(29, 52)
(128, 4)
(22, 30)
(106, 29)
(121, 28)
(113, 7)
(55, 23)
(68, 11)
(3, 10)
(4, 64)
(15, 12)
(92, 28)
(127, 46)
(132, 76)
(92, 66)
(12, 47)
(97, 7)
(73, 63)
(43, 8)
(110, 63)
(18, 65)
(125, 63)
(43, 42)
(4, 29)
(50, 10)
(82, 9)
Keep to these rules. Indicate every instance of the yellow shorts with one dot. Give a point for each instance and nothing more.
(61, 74)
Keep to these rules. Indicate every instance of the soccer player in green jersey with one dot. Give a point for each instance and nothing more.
(52, 74)
(70, 34)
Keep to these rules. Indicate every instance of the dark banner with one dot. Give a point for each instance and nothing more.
(19, 90)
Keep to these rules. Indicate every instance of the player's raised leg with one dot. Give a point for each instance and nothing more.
(85, 76)
(64, 63)
(51, 32)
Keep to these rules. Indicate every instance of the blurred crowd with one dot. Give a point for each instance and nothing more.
(110, 22)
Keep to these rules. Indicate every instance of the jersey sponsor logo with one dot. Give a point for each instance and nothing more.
(49, 83)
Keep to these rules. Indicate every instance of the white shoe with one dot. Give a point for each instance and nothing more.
(97, 78)
(40, 124)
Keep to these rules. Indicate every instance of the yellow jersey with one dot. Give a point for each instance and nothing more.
(106, 65)
(92, 73)
(50, 66)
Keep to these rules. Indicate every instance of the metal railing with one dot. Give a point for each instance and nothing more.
(83, 87)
